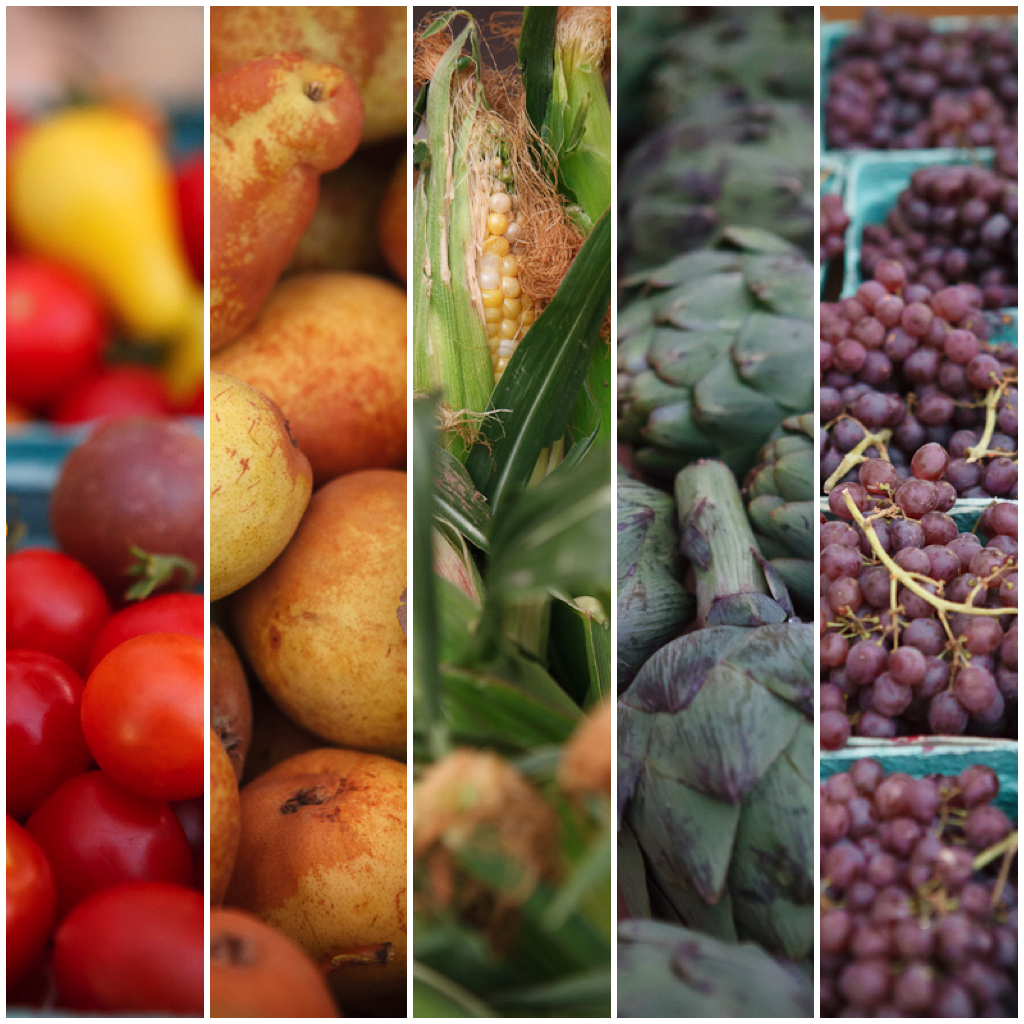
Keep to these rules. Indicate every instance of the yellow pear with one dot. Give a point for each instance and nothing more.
(260, 484)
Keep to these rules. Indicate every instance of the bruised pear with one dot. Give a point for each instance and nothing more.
(321, 627)
(323, 859)
(277, 124)
(260, 484)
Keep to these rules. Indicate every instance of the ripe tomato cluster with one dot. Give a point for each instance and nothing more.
(105, 783)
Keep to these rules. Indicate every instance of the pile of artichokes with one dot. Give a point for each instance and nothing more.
(716, 513)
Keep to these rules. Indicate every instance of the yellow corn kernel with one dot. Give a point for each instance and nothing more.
(492, 297)
(509, 266)
(509, 329)
(494, 314)
(496, 244)
(511, 288)
(511, 309)
(496, 223)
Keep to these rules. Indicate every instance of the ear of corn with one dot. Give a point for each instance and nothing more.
(580, 117)
(450, 349)
(470, 311)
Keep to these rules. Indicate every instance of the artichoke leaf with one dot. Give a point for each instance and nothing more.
(686, 836)
(771, 353)
(718, 722)
(665, 970)
(632, 875)
(683, 357)
(772, 873)
(782, 282)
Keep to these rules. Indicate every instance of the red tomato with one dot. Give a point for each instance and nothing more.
(31, 901)
(192, 815)
(136, 948)
(96, 835)
(56, 330)
(113, 392)
(54, 604)
(165, 613)
(143, 715)
(45, 746)
(191, 182)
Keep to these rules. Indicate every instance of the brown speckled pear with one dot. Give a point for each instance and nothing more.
(260, 484)
(323, 859)
(321, 629)
(330, 351)
(276, 125)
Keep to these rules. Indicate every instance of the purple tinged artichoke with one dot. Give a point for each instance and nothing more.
(716, 747)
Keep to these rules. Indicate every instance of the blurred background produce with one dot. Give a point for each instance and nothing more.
(308, 513)
(105, 211)
(512, 730)
(105, 615)
(716, 508)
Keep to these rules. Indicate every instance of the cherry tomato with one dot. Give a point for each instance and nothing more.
(165, 613)
(143, 715)
(31, 901)
(54, 604)
(136, 948)
(113, 392)
(191, 184)
(56, 330)
(45, 746)
(97, 834)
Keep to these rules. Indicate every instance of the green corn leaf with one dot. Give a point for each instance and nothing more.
(537, 63)
(434, 995)
(458, 502)
(532, 403)
(555, 535)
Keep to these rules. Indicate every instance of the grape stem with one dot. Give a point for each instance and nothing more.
(906, 578)
(855, 456)
(992, 397)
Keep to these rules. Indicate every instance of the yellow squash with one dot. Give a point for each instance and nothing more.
(91, 187)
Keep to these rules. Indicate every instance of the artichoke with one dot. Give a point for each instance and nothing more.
(716, 744)
(688, 180)
(714, 352)
(781, 506)
(652, 605)
(668, 971)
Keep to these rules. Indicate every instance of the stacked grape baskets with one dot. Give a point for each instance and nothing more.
(918, 534)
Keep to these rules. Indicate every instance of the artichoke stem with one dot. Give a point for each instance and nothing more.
(732, 587)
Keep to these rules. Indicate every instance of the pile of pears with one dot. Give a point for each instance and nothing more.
(308, 503)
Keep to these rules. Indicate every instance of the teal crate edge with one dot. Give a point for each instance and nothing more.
(944, 756)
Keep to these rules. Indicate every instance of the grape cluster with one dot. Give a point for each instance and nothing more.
(834, 222)
(912, 923)
(914, 367)
(896, 83)
(892, 662)
(953, 224)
